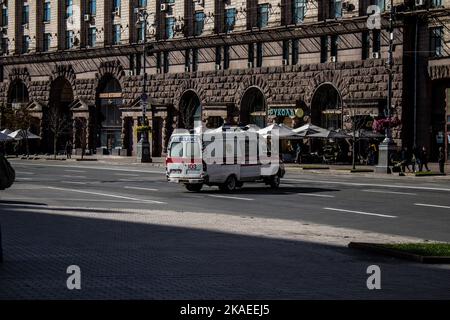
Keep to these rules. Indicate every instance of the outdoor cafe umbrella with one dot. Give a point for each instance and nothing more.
(330, 134)
(308, 129)
(5, 137)
(6, 131)
(280, 130)
(22, 134)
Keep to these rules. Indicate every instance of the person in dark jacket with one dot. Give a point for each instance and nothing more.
(423, 157)
(405, 159)
(441, 160)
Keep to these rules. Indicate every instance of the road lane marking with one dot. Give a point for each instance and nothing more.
(77, 171)
(140, 188)
(229, 197)
(94, 168)
(20, 178)
(107, 195)
(74, 177)
(316, 195)
(24, 172)
(431, 205)
(74, 182)
(390, 192)
(126, 174)
(398, 186)
(362, 212)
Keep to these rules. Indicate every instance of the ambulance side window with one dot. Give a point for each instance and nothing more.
(176, 149)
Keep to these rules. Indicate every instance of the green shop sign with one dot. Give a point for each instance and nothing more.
(281, 112)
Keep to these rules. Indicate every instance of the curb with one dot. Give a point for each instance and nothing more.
(373, 247)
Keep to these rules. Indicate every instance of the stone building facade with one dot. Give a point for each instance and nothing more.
(253, 61)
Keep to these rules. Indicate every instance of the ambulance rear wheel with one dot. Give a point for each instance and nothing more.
(195, 187)
(229, 185)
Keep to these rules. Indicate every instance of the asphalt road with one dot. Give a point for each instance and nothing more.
(126, 228)
(415, 207)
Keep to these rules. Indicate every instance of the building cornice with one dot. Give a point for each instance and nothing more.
(307, 30)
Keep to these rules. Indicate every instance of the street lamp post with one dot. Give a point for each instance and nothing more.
(387, 147)
(143, 146)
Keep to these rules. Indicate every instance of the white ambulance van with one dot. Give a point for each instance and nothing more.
(227, 159)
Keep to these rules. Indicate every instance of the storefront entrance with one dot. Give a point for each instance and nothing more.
(109, 116)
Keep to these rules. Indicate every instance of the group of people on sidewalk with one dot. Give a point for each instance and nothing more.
(419, 157)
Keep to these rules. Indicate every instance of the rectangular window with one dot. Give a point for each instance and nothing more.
(92, 36)
(194, 59)
(199, 22)
(218, 56)
(138, 63)
(116, 34)
(25, 14)
(337, 9)
(166, 62)
(142, 3)
(286, 52)
(158, 61)
(69, 39)
(298, 11)
(251, 55)
(259, 54)
(69, 8)
(170, 24)
(226, 57)
(381, 4)
(116, 5)
(334, 45)
(47, 42)
(295, 51)
(436, 37)
(92, 7)
(365, 45)
(4, 45)
(230, 19)
(5, 17)
(47, 11)
(436, 3)
(25, 44)
(263, 15)
(187, 60)
(376, 41)
(140, 33)
(323, 49)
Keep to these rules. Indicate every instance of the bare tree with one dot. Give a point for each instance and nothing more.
(22, 119)
(58, 124)
(355, 121)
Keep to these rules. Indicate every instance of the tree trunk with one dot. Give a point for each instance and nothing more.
(55, 140)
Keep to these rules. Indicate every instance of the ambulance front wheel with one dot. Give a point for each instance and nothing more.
(229, 185)
(275, 181)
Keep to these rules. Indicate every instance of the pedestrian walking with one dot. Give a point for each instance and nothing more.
(69, 150)
(423, 159)
(415, 160)
(405, 159)
(298, 153)
(441, 160)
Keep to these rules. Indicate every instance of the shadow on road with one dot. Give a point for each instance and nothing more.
(266, 190)
(135, 260)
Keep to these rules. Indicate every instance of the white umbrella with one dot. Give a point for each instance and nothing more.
(22, 134)
(308, 129)
(330, 134)
(6, 131)
(5, 137)
(279, 130)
